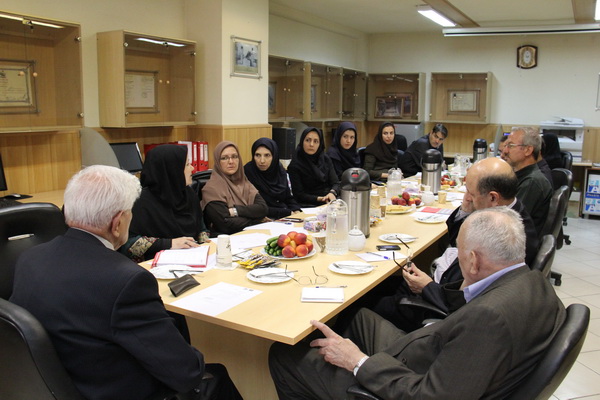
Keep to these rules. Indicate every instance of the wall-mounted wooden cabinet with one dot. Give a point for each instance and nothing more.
(286, 89)
(354, 95)
(322, 92)
(40, 74)
(145, 80)
(396, 97)
(461, 97)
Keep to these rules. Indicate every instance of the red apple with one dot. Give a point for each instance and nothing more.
(401, 202)
(406, 196)
(411, 202)
(309, 244)
(417, 202)
(300, 238)
(283, 240)
(288, 252)
(301, 250)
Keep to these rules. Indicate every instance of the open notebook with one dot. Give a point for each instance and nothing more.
(195, 257)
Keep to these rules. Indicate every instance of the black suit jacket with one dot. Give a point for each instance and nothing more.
(105, 318)
(434, 293)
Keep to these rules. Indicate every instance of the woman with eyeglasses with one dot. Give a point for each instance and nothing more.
(410, 162)
(313, 177)
(267, 175)
(167, 214)
(382, 154)
(230, 202)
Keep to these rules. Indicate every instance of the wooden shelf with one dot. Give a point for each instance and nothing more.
(396, 97)
(461, 97)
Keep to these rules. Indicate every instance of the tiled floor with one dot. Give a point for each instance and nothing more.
(579, 264)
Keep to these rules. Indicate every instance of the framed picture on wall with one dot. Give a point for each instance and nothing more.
(245, 57)
(17, 87)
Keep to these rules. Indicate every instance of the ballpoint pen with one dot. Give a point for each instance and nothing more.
(379, 255)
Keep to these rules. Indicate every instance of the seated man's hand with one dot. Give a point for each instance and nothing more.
(416, 279)
(335, 349)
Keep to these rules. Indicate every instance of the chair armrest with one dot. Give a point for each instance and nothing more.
(358, 392)
(420, 303)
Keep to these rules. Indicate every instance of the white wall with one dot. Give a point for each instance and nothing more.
(155, 17)
(564, 83)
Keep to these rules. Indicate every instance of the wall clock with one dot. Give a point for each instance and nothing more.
(527, 56)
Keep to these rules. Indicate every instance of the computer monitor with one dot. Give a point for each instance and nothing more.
(128, 155)
(2, 177)
(497, 139)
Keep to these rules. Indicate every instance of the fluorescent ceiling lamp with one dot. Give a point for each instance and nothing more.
(30, 22)
(161, 42)
(523, 30)
(436, 17)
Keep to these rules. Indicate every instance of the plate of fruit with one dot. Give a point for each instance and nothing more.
(393, 238)
(447, 180)
(404, 203)
(290, 246)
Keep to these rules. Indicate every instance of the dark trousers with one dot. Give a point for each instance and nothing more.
(299, 372)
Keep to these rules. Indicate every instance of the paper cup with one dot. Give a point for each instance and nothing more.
(442, 196)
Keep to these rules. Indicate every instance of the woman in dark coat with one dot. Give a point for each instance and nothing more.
(229, 200)
(313, 177)
(382, 154)
(167, 215)
(343, 149)
(267, 175)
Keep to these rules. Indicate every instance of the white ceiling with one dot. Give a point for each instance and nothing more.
(386, 16)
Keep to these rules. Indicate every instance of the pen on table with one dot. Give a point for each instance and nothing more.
(284, 222)
(379, 255)
(341, 286)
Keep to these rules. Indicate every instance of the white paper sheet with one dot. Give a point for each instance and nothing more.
(375, 256)
(322, 295)
(217, 298)
(246, 241)
(196, 256)
(277, 228)
(312, 210)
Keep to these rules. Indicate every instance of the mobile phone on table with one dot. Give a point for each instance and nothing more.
(290, 219)
(385, 247)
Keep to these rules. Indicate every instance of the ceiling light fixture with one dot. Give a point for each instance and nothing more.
(160, 42)
(523, 30)
(435, 16)
(29, 22)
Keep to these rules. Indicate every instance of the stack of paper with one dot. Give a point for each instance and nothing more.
(322, 295)
(194, 257)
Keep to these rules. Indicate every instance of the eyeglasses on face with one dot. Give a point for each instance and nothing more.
(233, 157)
(306, 280)
(513, 145)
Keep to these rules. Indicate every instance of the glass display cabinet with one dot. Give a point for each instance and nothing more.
(396, 97)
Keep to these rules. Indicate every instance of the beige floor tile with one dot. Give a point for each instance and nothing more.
(581, 381)
(590, 359)
(579, 287)
(592, 343)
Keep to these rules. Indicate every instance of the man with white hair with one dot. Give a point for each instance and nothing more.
(483, 350)
(102, 311)
(535, 191)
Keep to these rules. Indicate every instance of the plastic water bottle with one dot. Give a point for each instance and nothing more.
(394, 184)
(336, 240)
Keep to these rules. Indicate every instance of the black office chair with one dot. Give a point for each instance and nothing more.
(401, 142)
(361, 155)
(29, 366)
(545, 255)
(567, 159)
(552, 368)
(553, 224)
(199, 179)
(21, 227)
(563, 176)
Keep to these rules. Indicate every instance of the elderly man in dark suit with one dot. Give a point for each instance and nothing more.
(101, 310)
(481, 351)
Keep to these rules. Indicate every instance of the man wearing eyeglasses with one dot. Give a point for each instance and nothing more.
(481, 351)
(410, 162)
(535, 192)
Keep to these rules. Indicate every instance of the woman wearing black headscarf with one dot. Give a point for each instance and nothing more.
(551, 151)
(167, 215)
(311, 171)
(267, 175)
(382, 154)
(343, 149)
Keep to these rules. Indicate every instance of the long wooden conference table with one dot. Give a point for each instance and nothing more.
(240, 337)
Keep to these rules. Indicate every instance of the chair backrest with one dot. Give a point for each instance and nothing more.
(545, 256)
(199, 179)
(401, 142)
(556, 212)
(21, 227)
(558, 358)
(361, 155)
(562, 176)
(567, 158)
(29, 366)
